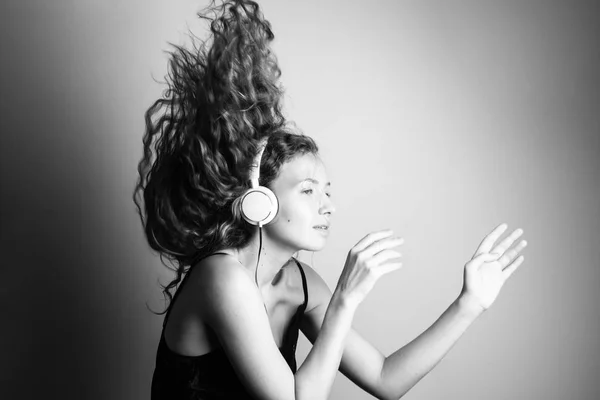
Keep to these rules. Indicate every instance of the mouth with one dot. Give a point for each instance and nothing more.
(322, 227)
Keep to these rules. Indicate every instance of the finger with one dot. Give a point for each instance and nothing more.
(384, 256)
(511, 254)
(381, 245)
(507, 242)
(508, 271)
(372, 237)
(388, 267)
(476, 262)
(486, 244)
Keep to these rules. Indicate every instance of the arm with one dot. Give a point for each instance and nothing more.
(409, 364)
(233, 308)
(484, 276)
(231, 305)
(391, 377)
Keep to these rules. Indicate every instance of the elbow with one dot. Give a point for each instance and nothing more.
(394, 396)
(390, 397)
(390, 394)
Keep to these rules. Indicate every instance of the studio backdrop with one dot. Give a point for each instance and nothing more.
(437, 119)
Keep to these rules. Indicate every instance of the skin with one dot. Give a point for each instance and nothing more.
(303, 190)
(222, 301)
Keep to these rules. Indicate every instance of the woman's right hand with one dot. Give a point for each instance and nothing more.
(366, 262)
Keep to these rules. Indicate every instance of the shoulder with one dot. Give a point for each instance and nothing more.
(319, 293)
(219, 269)
(221, 284)
(233, 309)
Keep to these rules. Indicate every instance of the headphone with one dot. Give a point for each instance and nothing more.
(258, 205)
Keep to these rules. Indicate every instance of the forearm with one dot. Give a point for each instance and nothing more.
(315, 377)
(405, 367)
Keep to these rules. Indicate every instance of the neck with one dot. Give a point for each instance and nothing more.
(273, 256)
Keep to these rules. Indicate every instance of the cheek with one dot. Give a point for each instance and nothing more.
(298, 215)
(293, 217)
(295, 211)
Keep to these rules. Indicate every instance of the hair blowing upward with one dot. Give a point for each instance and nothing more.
(222, 97)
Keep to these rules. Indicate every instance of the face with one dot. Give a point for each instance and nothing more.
(305, 207)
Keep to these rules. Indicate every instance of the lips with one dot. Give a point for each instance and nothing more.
(321, 227)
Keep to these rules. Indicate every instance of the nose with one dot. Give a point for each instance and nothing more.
(327, 206)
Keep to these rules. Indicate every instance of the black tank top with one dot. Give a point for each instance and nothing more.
(211, 376)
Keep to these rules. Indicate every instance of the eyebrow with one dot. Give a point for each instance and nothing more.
(316, 182)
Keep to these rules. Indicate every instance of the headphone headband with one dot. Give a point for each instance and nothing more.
(258, 205)
(255, 168)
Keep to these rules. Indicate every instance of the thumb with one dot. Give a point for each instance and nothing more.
(490, 256)
(483, 257)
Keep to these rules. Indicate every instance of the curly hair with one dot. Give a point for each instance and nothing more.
(202, 135)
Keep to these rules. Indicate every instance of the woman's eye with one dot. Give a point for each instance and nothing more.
(307, 191)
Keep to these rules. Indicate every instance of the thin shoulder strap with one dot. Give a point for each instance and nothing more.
(181, 286)
(304, 284)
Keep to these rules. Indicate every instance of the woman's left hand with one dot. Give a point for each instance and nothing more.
(491, 266)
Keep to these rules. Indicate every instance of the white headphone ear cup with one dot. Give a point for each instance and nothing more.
(274, 204)
(259, 205)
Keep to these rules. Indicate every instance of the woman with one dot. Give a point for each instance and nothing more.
(230, 194)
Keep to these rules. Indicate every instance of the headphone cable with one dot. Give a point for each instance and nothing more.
(259, 251)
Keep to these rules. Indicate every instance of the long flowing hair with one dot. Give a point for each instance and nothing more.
(222, 98)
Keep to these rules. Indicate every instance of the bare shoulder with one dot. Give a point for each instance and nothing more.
(221, 283)
(217, 270)
(233, 309)
(319, 293)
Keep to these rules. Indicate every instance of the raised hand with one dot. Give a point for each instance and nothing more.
(491, 266)
(366, 262)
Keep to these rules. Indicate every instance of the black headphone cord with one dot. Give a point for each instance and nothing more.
(259, 251)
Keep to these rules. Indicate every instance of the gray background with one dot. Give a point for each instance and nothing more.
(439, 120)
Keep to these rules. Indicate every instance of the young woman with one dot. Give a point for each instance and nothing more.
(230, 193)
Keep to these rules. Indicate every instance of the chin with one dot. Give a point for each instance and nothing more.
(316, 245)
(312, 248)
(306, 241)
